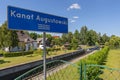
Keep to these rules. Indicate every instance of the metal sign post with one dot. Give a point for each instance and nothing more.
(44, 55)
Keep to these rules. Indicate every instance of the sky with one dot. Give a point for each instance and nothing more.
(100, 15)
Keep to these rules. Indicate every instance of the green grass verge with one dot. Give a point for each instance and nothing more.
(113, 61)
(6, 62)
(71, 72)
(12, 61)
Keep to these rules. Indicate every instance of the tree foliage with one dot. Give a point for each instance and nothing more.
(8, 38)
(104, 39)
(76, 34)
(33, 35)
(92, 37)
(74, 43)
(114, 42)
(65, 38)
(83, 35)
(56, 41)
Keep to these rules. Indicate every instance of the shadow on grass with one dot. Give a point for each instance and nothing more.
(2, 61)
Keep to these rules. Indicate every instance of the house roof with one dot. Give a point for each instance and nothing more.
(24, 37)
(56, 36)
(40, 40)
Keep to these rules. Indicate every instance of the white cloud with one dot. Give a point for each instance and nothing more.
(74, 6)
(75, 17)
(72, 21)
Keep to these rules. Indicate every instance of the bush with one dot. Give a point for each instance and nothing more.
(38, 51)
(2, 52)
(74, 47)
(53, 49)
(96, 58)
(15, 54)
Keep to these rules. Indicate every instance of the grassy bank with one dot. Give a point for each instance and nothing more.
(113, 62)
(12, 61)
(113, 59)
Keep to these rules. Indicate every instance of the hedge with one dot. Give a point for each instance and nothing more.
(15, 54)
(53, 49)
(96, 58)
(1, 52)
(38, 51)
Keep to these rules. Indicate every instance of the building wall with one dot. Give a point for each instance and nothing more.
(35, 45)
(32, 45)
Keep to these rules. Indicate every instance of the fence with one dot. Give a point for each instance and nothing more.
(56, 70)
(63, 70)
(100, 72)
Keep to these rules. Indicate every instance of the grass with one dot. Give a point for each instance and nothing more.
(68, 73)
(111, 73)
(113, 61)
(12, 61)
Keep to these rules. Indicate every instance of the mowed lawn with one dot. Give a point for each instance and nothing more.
(113, 64)
(113, 60)
(13, 61)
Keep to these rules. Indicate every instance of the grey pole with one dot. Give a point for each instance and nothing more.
(44, 55)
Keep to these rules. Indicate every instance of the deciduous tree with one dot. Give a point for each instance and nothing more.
(8, 38)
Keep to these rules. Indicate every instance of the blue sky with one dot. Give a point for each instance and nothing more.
(100, 15)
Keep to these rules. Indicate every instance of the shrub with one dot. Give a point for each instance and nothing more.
(96, 58)
(38, 51)
(2, 52)
(53, 49)
(1, 61)
(15, 54)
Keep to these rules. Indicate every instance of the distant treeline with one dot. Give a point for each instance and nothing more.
(82, 36)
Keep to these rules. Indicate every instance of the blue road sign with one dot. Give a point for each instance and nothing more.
(22, 19)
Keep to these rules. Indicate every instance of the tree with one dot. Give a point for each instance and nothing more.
(92, 37)
(114, 42)
(56, 41)
(49, 40)
(69, 37)
(99, 38)
(74, 43)
(8, 38)
(105, 38)
(39, 35)
(1, 43)
(33, 35)
(64, 38)
(76, 34)
(83, 35)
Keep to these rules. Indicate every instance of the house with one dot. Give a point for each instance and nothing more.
(25, 41)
